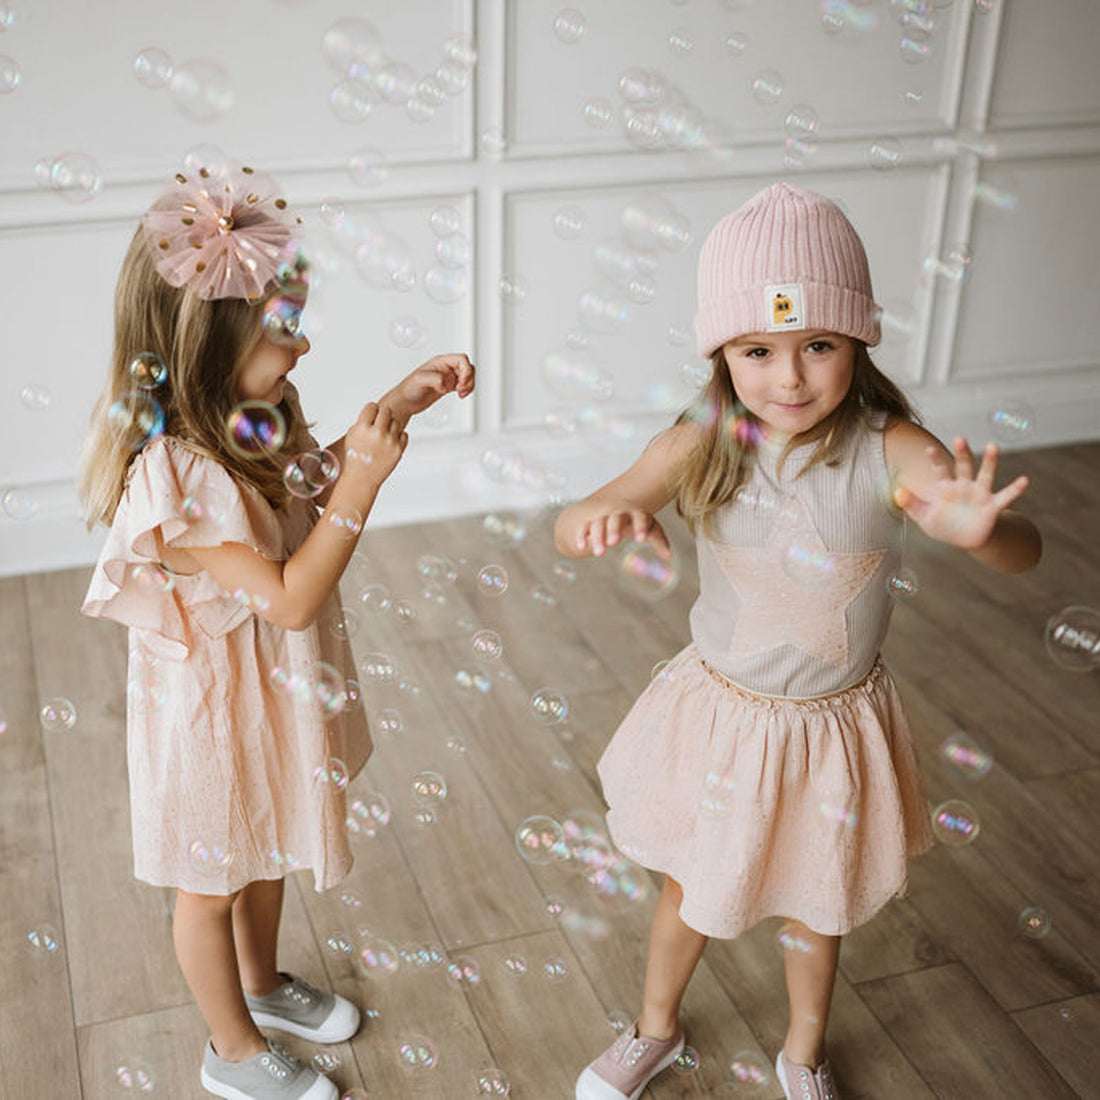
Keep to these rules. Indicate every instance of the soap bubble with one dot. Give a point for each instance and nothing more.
(10, 75)
(513, 289)
(19, 505)
(153, 68)
(492, 1082)
(352, 45)
(429, 788)
(57, 714)
(644, 573)
(1034, 922)
(311, 473)
(74, 176)
(955, 823)
(492, 580)
(378, 668)
(351, 100)
(445, 286)
(767, 87)
(378, 957)
(332, 773)
(42, 941)
(686, 1062)
(255, 428)
(368, 814)
(736, 43)
(549, 706)
(748, 1073)
(539, 839)
(488, 644)
(967, 757)
(135, 1075)
(35, 397)
(903, 584)
(325, 1061)
(463, 972)
(493, 142)
(599, 113)
(1072, 638)
(415, 1054)
(148, 370)
(570, 26)
(444, 220)
(885, 153)
(680, 42)
(209, 858)
(462, 49)
(569, 222)
(554, 969)
(516, 965)
(1012, 421)
(202, 90)
(453, 250)
(801, 120)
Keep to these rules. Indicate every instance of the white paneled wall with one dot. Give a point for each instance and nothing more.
(962, 139)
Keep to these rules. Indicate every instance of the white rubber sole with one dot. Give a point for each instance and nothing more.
(591, 1086)
(321, 1089)
(780, 1076)
(342, 1023)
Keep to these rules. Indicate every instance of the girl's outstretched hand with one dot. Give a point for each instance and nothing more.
(614, 519)
(374, 445)
(961, 508)
(440, 375)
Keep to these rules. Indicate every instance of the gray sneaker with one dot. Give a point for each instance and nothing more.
(300, 1009)
(271, 1075)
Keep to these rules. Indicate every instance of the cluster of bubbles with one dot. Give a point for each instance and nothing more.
(201, 88)
(73, 176)
(368, 78)
(311, 473)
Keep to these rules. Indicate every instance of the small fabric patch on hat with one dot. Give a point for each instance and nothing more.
(784, 306)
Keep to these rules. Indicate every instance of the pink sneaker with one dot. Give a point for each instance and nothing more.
(803, 1083)
(627, 1066)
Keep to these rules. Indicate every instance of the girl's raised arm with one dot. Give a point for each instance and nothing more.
(290, 593)
(629, 503)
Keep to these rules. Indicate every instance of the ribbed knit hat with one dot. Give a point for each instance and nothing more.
(788, 259)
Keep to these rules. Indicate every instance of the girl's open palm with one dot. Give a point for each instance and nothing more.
(960, 508)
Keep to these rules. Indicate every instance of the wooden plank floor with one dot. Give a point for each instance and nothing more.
(939, 996)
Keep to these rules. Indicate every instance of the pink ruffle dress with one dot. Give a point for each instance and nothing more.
(241, 735)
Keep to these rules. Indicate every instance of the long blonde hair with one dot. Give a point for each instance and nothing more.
(203, 343)
(721, 458)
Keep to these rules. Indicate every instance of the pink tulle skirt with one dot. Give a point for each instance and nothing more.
(806, 809)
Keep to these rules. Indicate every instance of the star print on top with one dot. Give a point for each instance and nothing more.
(792, 586)
(794, 590)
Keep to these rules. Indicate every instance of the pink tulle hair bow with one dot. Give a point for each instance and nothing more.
(223, 232)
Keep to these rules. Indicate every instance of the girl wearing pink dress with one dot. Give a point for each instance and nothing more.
(229, 530)
(768, 770)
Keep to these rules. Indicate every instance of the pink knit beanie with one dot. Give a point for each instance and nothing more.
(788, 259)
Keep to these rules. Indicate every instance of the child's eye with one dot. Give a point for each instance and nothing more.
(751, 353)
(819, 346)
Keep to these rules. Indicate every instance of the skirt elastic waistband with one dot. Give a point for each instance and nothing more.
(863, 686)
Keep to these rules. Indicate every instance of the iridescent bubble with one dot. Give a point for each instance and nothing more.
(202, 90)
(540, 839)
(680, 42)
(455, 744)
(311, 473)
(35, 397)
(405, 332)
(719, 792)
(332, 773)
(415, 1054)
(396, 82)
(57, 714)
(549, 706)
(1034, 922)
(967, 757)
(153, 68)
(516, 965)
(405, 612)
(339, 944)
(789, 941)
(367, 167)
(135, 1075)
(209, 858)
(736, 43)
(644, 573)
(885, 153)
(492, 1082)
(748, 1073)
(368, 813)
(445, 286)
(453, 250)
(378, 668)
(1072, 638)
(955, 823)
(255, 428)
(801, 120)
(565, 571)
(148, 370)
(348, 522)
(10, 75)
(42, 941)
(686, 1062)
(513, 289)
(492, 580)
(352, 688)
(438, 569)
(695, 374)
(378, 957)
(488, 644)
(75, 177)
(429, 788)
(283, 320)
(555, 969)
(462, 49)
(352, 45)
(602, 311)
(838, 807)
(151, 577)
(452, 77)
(325, 1061)
(570, 26)
(1012, 421)
(505, 528)
(463, 972)
(544, 595)
(903, 584)
(599, 113)
(493, 142)
(375, 599)
(806, 562)
(389, 722)
(444, 221)
(767, 87)
(332, 212)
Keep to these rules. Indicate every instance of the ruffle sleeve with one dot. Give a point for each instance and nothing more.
(192, 501)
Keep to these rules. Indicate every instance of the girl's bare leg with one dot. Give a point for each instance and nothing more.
(256, 914)
(810, 976)
(202, 931)
(674, 951)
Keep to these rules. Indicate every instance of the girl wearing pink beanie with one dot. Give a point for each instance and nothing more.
(769, 769)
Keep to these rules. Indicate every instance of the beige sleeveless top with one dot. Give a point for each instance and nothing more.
(793, 597)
